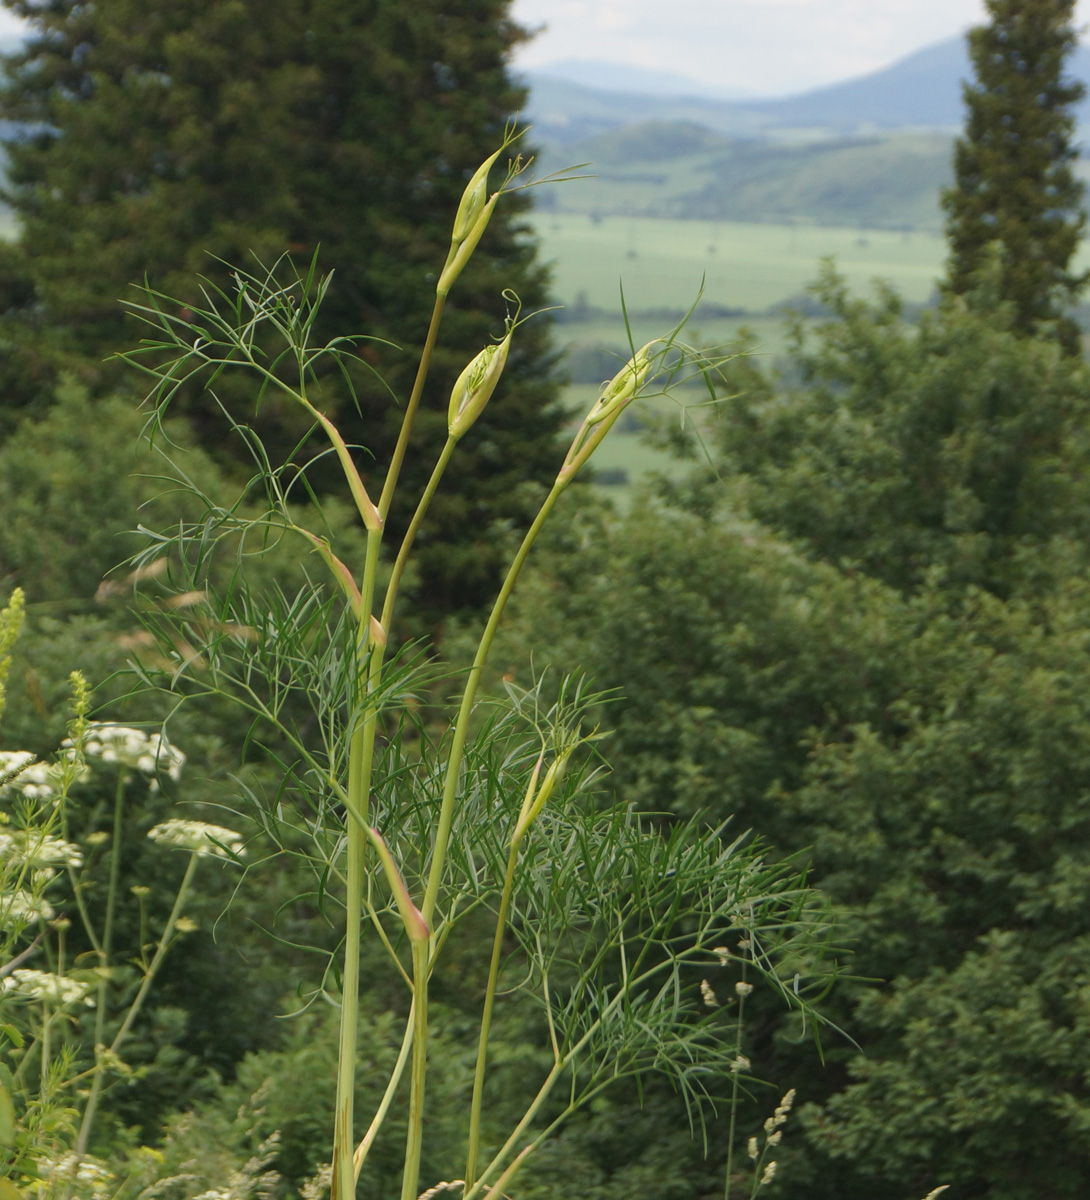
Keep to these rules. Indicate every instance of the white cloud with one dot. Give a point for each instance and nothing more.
(770, 46)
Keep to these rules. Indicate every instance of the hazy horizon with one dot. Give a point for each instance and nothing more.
(761, 47)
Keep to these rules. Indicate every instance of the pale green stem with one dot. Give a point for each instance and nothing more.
(89, 1111)
(411, 532)
(461, 727)
(410, 409)
(415, 1137)
(496, 1190)
(360, 762)
(160, 953)
(486, 1019)
(734, 1096)
(47, 1020)
(365, 1145)
(551, 1079)
(520, 1128)
(360, 759)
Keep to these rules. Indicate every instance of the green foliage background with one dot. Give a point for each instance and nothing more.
(855, 619)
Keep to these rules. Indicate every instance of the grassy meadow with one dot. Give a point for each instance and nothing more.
(749, 267)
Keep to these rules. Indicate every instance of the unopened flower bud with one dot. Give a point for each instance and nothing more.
(474, 387)
(470, 222)
(623, 386)
(616, 394)
(537, 796)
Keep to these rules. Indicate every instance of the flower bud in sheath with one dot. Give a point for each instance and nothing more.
(537, 796)
(470, 222)
(624, 385)
(474, 387)
(616, 394)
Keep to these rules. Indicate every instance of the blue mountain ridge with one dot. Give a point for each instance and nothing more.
(920, 91)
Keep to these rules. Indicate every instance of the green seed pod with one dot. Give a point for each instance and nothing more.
(474, 212)
(474, 387)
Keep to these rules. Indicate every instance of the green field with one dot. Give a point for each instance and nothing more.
(748, 266)
(752, 266)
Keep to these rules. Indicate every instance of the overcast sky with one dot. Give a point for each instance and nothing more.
(765, 46)
(772, 47)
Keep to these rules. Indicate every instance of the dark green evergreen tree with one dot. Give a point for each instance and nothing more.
(1015, 192)
(158, 135)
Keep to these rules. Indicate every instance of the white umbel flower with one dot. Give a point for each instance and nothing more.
(89, 1175)
(149, 753)
(38, 849)
(41, 985)
(209, 841)
(21, 908)
(35, 780)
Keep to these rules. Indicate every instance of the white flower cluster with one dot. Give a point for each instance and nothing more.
(41, 985)
(21, 908)
(90, 1177)
(37, 849)
(149, 753)
(35, 780)
(207, 840)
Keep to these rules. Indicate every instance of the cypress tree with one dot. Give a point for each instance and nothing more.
(1015, 193)
(157, 135)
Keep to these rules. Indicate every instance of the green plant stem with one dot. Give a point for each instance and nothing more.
(365, 1145)
(496, 1190)
(734, 1098)
(415, 1137)
(410, 409)
(557, 1070)
(486, 1019)
(360, 761)
(410, 534)
(91, 1107)
(157, 958)
(461, 727)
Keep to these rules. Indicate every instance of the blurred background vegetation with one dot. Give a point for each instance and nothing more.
(845, 606)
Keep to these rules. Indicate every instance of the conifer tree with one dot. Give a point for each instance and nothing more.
(157, 135)
(1015, 192)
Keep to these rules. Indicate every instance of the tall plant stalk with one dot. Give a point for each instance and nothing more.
(613, 917)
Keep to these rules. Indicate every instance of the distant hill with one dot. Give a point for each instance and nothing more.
(681, 169)
(879, 183)
(628, 78)
(562, 112)
(921, 91)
